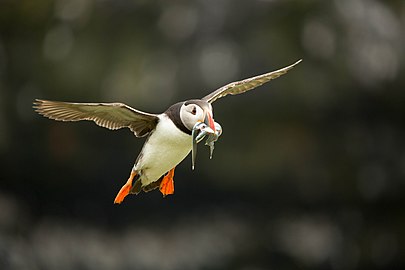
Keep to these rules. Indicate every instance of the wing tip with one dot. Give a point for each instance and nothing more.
(42, 106)
(37, 101)
(299, 61)
(296, 63)
(40, 102)
(37, 104)
(288, 68)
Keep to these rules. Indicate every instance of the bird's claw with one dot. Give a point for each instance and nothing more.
(200, 131)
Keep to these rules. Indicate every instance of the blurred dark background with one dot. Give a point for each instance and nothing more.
(310, 170)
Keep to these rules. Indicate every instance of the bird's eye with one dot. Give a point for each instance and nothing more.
(194, 111)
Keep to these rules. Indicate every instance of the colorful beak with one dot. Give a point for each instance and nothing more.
(209, 121)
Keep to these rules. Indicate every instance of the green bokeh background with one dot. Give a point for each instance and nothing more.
(308, 174)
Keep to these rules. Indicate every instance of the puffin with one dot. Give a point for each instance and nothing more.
(169, 135)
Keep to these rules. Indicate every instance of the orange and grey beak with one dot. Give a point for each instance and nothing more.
(209, 121)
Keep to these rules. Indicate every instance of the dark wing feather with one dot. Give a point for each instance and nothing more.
(240, 87)
(109, 115)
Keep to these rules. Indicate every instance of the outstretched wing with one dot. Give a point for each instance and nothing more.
(109, 115)
(240, 87)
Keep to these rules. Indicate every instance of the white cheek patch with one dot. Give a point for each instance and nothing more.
(188, 118)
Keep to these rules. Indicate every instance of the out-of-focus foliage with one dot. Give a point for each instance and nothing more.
(309, 173)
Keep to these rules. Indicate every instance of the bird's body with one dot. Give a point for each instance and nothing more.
(159, 156)
(170, 134)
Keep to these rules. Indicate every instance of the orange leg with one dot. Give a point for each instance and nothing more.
(125, 188)
(167, 184)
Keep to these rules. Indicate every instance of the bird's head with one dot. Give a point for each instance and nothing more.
(195, 111)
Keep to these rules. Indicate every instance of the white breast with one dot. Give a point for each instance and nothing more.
(165, 148)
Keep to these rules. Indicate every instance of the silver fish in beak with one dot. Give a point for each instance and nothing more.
(212, 138)
(199, 132)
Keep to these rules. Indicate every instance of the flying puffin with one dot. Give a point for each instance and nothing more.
(169, 134)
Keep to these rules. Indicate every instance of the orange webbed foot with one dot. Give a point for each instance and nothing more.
(167, 184)
(125, 190)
